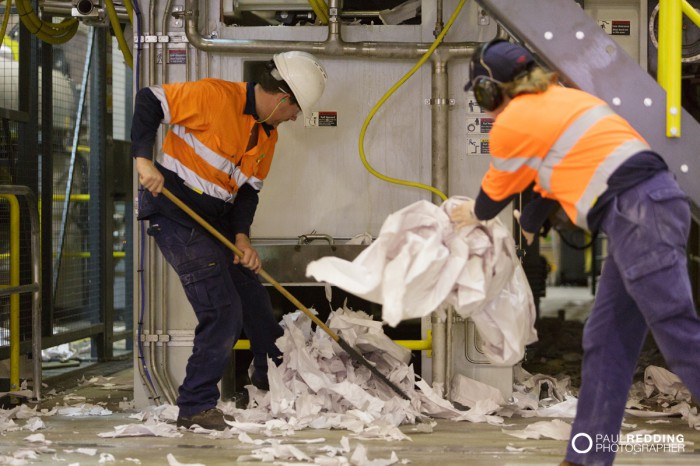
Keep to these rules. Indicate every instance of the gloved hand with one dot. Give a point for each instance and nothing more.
(529, 237)
(463, 214)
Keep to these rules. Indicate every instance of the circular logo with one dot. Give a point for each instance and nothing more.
(582, 450)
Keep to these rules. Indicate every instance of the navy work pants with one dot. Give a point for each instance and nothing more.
(644, 286)
(226, 298)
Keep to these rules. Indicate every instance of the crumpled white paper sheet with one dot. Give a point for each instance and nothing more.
(147, 429)
(666, 382)
(419, 263)
(84, 409)
(554, 429)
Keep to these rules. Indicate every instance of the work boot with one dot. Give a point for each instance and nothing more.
(260, 381)
(568, 463)
(212, 419)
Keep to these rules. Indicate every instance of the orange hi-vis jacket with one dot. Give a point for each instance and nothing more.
(208, 149)
(566, 141)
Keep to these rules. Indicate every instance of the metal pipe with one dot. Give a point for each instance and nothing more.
(162, 370)
(64, 9)
(439, 102)
(332, 46)
(439, 24)
(448, 353)
(438, 326)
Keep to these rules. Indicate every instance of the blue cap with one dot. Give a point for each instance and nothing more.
(504, 60)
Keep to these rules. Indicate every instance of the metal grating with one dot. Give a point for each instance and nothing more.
(72, 277)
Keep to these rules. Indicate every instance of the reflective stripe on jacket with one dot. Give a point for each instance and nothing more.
(564, 140)
(207, 149)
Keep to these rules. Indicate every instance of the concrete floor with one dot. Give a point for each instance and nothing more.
(450, 443)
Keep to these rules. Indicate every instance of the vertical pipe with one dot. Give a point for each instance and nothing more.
(669, 62)
(438, 327)
(448, 352)
(439, 137)
(439, 25)
(161, 369)
(442, 338)
(36, 297)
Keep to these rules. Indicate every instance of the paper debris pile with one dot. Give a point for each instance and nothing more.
(318, 385)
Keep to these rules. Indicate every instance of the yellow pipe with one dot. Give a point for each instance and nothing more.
(114, 21)
(47, 31)
(399, 83)
(413, 345)
(5, 20)
(321, 10)
(129, 10)
(14, 281)
(73, 197)
(669, 62)
(690, 12)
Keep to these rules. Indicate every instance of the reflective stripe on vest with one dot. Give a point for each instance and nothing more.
(599, 181)
(560, 149)
(193, 181)
(209, 156)
(160, 94)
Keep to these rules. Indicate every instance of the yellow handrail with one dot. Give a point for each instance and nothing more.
(669, 56)
(414, 345)
(14, 281)
(669, 62)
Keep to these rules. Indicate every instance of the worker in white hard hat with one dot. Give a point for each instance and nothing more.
(215, 156)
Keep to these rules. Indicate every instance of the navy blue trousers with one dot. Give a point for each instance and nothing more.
(226, 298)
(644, 287)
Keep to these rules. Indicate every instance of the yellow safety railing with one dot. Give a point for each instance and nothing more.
(14, 282)
(669, 57)
(413, 345)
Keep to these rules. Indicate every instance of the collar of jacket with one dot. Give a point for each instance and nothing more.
(250, 107)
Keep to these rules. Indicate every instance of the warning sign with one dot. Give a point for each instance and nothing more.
(327, 118)
(479, 125)
(477, 146)
(616, 27)
(177, 56)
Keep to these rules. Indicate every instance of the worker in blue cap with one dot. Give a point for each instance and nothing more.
(577, 154)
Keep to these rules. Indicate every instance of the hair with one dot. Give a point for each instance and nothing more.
(534, 81)
(271, 84)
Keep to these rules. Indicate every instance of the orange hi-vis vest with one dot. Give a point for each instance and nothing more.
(566, 141)
(207, 149)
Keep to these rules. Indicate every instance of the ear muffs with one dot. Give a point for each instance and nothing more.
(488, 93)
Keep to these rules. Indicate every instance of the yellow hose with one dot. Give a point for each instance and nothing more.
(114, 21)
(321, 9)
(388, 94)
(129, 11)
(5, 20)
(51, 33)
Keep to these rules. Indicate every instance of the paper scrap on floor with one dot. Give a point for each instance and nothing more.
(420, 263)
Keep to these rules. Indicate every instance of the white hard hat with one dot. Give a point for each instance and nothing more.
(304, 75)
